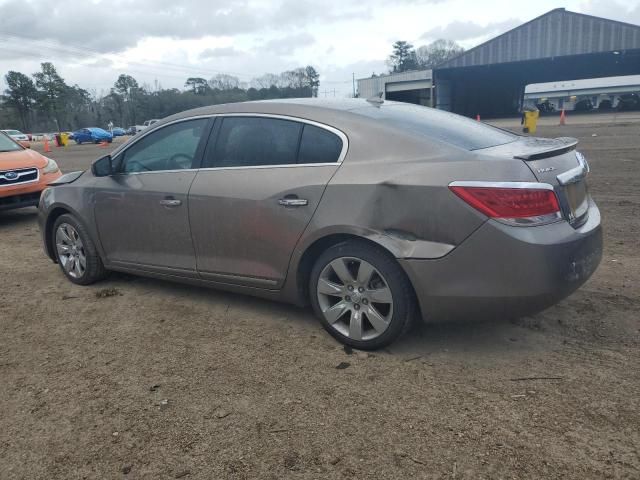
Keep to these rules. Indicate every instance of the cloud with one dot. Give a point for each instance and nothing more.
(220, 52)
(461, 31)
(613, 10)
(287, 45)
(117, 25)
(111, 26)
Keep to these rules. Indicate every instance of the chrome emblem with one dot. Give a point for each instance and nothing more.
(10, 175)
(545, 170)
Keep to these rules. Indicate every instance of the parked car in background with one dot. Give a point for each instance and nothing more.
(546, 107)
(118, 131)
(92, 135)
(133, 129)
(24, 174)
(17, 135)
(584, 105)
(369, 211)
(148, 123)
(629, 101)
(605, 105)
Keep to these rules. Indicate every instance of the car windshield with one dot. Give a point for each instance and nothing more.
(8, 145)
(14, 132)
(439, 125)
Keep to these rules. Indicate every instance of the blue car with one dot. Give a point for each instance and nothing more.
(93, 135)
(118, 132)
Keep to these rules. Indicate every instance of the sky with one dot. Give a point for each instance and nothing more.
(163, 42)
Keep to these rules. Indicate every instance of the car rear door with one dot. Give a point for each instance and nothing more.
(141, 211)
(261, 182)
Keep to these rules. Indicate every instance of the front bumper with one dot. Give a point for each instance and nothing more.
(25, 194)
(506, 272)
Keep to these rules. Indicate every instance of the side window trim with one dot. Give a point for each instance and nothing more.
(216, 132)
(198, 157)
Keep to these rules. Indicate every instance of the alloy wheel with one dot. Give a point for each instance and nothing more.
(354, 298)
(71, 253)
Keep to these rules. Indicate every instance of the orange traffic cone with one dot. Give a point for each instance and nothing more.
(47, 148)
(478, 117)
(563, 118)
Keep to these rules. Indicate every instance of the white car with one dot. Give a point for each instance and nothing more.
(17, 135)
(148, 123)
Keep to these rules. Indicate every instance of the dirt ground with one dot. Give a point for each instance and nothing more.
(136, 378)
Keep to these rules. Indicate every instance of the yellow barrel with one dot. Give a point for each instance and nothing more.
(531, 121)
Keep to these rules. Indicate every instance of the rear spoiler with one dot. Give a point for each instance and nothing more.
(568, 144)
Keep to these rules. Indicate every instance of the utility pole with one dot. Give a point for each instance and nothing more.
(353, 79)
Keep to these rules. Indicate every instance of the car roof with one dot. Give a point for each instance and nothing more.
(337, 112)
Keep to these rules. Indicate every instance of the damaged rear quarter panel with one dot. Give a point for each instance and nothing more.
(404, 203)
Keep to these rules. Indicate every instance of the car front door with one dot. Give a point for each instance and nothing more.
(261, 181)
(141, 210)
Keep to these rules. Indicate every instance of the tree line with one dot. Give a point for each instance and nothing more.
(405, 57)
(44, 102)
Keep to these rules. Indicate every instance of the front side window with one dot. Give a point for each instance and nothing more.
(170, 148)
(256, 141)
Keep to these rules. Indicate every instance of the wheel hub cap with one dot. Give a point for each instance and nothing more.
(355, 298)
(70, 249)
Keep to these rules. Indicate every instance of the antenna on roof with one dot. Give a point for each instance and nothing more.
(376, 99)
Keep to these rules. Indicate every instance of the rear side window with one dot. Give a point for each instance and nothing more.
(256, 141)
(439, 125)
(319, 146)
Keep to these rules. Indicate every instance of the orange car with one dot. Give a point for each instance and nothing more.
(24, 174)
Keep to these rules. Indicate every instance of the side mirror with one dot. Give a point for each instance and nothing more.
(25, 144)
(102, 167)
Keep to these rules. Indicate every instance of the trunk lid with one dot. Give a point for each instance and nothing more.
(556, 162)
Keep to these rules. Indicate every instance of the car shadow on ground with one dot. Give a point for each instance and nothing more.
(481, 338)
(24, 216)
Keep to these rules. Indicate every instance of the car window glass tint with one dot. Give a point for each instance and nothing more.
(8, 145)
(319, 145)
(439, 125)
(256, 141)
(170, 148)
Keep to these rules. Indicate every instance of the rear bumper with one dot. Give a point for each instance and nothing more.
(506, 272)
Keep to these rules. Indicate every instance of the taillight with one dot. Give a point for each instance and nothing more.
(514, 203)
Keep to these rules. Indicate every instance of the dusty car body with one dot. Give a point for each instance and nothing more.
(24, 174)
(393, 209)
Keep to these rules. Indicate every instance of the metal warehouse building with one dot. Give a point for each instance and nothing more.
(490, 79)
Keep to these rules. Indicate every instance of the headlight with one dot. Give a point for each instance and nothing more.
(50, 167)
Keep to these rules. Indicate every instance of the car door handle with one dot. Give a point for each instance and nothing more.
(293, 202)
(170, 202)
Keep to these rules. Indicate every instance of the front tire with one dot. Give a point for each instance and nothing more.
(361, 295)
(75, 252)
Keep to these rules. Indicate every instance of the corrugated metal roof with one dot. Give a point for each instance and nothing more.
(555, 34)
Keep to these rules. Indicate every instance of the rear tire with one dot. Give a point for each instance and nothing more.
(361, 295)
(75, 252)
